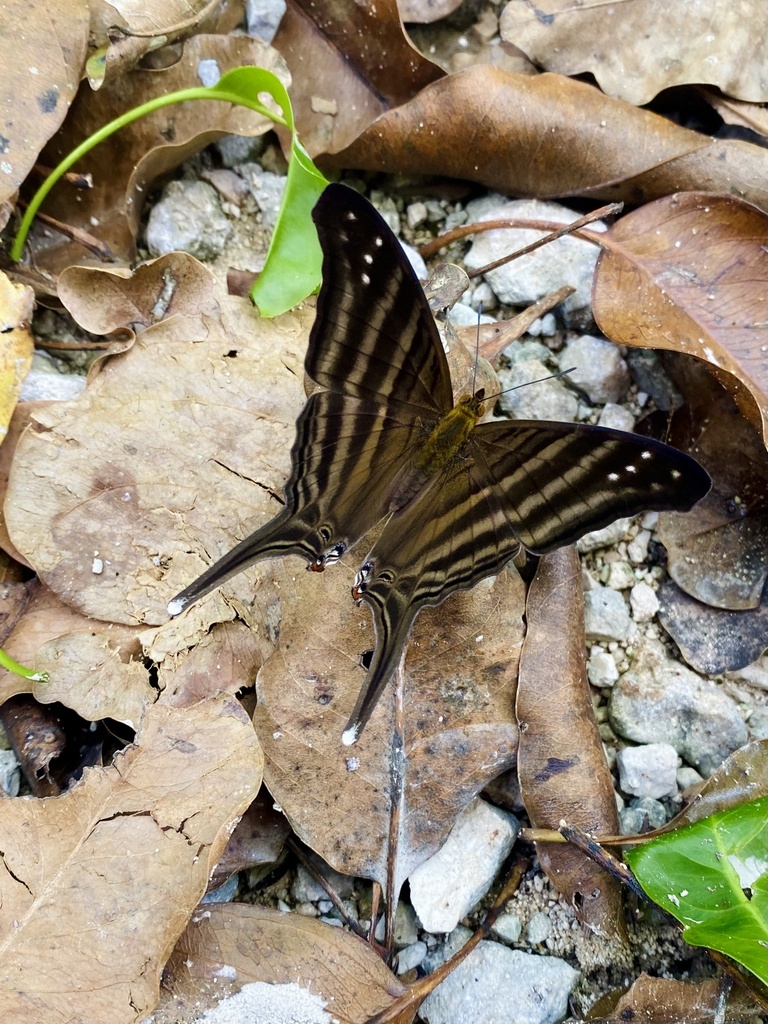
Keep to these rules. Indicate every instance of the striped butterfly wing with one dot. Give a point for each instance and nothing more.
(375, 347)
(520, 484)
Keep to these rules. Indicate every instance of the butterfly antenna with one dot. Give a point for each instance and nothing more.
(525, 384)
(477, 347)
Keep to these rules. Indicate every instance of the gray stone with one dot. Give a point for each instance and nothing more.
(240, 149)
(411, 957)
(648, 770)
(601, 668)
(566, 261)
(616, 417)
(606, 616)
(605, 538)
(543, 400)
(496, 985)
(306, 889)
(661, 701)
(598, 369)
(44, 382)
(642, 815)
(462, 315)
(267, 190)
(621, 576)
(447, 886)
(544, 327)
(508, 927)
(415, 214)
(10, 774)
(637, 549)
(755, 674)
(188, 218)
(643, 602)
(263, 17)
(687, 776)
(524, 351)
(539, 929)
(406, 926)
(758, 724)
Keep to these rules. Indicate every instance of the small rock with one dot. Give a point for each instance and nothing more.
(648, 770)
(687, 777)
(616, 417)
(447, 886)
(188, 218)
(604, 538)
(10, 774)
(415, 214)
(642, 815)
(45, 383)
(462, 315)
(225, 893)
(544, 327)
(621, 576)
(599, 371)
(240, 149)
(306, 889)
(406, 926)
(263, 17)
(755, 674)
(643, 602)
(637, 549)
(567, 260)
(539, 929)
(543, 400)
(459, 937)
(523, 351)
(411, 957)
(661, 701)
(482, 295)
(508, 927)
(606, 616)
(496, 985)
(267, 189)
(601, 668)
(758, 724)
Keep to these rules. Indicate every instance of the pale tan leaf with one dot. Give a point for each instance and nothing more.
(98, 884)
(636, 48)
(228, 947)
(16, 345)
(458, 729)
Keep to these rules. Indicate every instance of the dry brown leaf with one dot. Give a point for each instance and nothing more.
(102, 301)
(753, 116)
(569, 139)
(362, 62)
(561, 763)
(665, 1001)
(95, 667)
(458, 728)
(227, 947)
(713, 640)
(690, 273)
(424, 12)
(636, 49)
(16, 345)
(718, 552)
(98, 884)
(258, 839)
(42, 51)
(177, 446)
(130, 160)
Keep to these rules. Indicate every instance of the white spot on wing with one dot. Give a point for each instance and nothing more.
(365, 279)
(613, 477)
(630, 468)
(368, 258)
(646, 454)
(676, 474)
(378, 241)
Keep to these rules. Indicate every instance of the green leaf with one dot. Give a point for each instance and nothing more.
(713, 878)
(293, 267)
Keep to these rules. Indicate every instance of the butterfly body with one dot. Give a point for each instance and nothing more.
(384, 443)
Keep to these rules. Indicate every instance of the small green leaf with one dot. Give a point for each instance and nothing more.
(713, 878)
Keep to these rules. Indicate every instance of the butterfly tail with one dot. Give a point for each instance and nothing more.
(392, 620)
(286, 534)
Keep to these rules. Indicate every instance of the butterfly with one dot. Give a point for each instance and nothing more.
(384, 441)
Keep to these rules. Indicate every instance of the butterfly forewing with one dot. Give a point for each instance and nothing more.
(374, 335)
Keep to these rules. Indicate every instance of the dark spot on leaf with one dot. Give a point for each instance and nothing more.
(555, 766)
(48, 101)
(4, 144)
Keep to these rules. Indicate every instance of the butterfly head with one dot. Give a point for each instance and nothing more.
(329, 557)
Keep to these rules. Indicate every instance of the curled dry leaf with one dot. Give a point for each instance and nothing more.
(561, 763)
(362, 62)
(16, 345)
(666, 1001)
(381, 807)
(615, 151)
(718, 553)
(713, 640)
(102, 301)
(98, 884)
(42, 51)
(177, 446)
(123, 166)
(227, 947)
(644, 46)
(95, 667)
(689, 273)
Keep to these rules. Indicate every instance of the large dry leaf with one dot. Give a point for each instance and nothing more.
(42, 51)
(177, 447)
(547, 135)
(126, 164)
(690, 273)
(98, 884)
(667, 1001)
(16, 345)
(362, 63)
(561, 763)
(380, 808)
(225, 948)
(636, 49)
